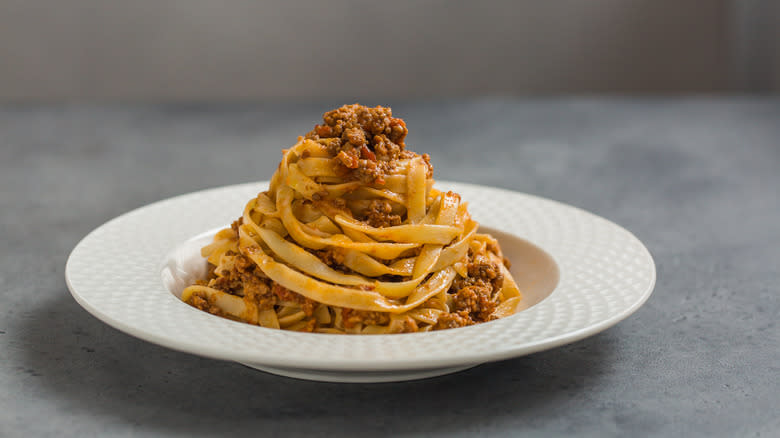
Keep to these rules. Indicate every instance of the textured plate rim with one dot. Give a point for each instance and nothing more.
(364, 363)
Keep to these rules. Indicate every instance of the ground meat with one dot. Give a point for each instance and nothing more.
(429, 167)
(380, 214)
(202, 303)
(482, 268)
(247, 281)
(349, 159)
(243, 280)
(285, 294)
(478, 302)
(229, 280)
(331, 256)
(257, 290)
(453, 320)
(475, 297)
(368, 140)
(229, 283)
(236, 224)
(243, 264)
(359, 125)
(352, 317)
(355, 136)
(366, 170)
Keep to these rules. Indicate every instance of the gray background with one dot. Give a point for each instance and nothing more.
(205, 50)
(695, 179)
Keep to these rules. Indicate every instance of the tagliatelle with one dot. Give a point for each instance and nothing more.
(352, 237)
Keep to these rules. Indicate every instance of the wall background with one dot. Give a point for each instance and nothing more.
(144, 50)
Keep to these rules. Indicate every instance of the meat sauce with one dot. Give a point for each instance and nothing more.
(367, 141)
(366, 144)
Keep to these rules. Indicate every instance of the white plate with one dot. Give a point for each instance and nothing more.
(580, 274)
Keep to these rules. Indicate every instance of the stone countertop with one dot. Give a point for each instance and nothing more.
(697, 180)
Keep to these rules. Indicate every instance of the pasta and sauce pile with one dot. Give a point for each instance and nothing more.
(353, 237)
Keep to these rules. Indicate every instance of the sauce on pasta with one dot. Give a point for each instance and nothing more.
(352, 237)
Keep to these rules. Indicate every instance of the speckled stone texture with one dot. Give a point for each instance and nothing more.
(697, 180)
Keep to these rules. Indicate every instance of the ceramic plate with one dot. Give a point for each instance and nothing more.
(579, 273)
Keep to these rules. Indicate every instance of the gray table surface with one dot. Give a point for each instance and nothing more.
(697, 180)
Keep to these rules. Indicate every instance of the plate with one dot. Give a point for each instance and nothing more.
(580, 274)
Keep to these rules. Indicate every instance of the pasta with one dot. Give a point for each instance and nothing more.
(352, 237)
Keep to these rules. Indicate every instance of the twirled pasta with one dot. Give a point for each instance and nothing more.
(352, 237)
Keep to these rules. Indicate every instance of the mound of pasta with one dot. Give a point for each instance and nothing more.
(353, 237)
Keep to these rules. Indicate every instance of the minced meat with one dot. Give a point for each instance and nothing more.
(478, 302)
(475, 297)
(352, 317)
(284, 294)
(482, 268)
(453, 320)
(243, 280)
(332, 257)
(369, 140)
(380, 214)
(201, 302)
(409, 325)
